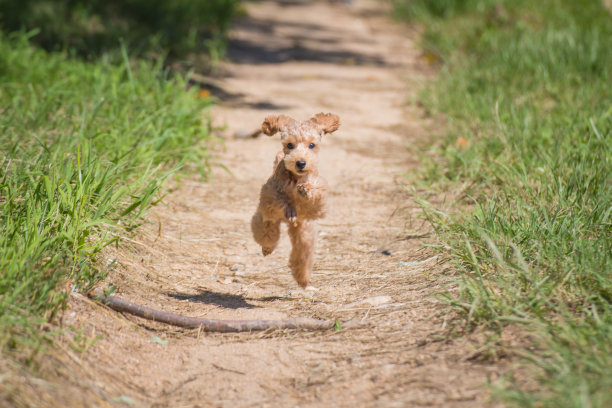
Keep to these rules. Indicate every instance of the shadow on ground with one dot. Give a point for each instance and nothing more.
(225, 300)
(236, 99)
(293, 46)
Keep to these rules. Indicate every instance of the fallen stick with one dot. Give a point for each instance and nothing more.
(213, 325)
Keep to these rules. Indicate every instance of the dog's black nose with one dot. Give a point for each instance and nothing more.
(300, 164)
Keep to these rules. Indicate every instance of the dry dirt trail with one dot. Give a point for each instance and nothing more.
(197, 257)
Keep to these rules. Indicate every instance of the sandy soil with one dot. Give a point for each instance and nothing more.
(197, 256)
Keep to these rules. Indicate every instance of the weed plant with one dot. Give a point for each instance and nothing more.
(526, 89)
(84, 148)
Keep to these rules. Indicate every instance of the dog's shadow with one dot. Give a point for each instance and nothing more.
(225, 300)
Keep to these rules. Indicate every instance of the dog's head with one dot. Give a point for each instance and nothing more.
(301, 139)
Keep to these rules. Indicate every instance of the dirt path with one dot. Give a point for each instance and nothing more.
(197, 256)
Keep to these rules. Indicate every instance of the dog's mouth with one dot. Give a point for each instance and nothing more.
(301, 172)
(298, 170)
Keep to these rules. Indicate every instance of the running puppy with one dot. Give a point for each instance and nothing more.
(295, 193)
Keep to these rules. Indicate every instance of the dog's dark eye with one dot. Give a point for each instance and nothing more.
(290, 146)
(312, 146)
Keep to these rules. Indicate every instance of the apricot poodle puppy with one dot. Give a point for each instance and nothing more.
(295, 193)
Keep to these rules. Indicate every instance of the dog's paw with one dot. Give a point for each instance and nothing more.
(266, 251)
(302, 190)
(303, 282)
(291, 215)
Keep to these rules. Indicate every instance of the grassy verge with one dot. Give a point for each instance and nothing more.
(526, 88)
(84, 148)
(88, 28)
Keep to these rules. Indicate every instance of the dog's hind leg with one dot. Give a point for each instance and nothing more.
(266, 233)
(302, 251)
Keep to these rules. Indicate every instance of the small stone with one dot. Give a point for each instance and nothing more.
(226, 281)
(403, 263)
(377, 300)
(372, 301)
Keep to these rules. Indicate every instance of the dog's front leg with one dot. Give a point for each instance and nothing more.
(313, 190)
(301, 259)
(288, 207)
(291, 214)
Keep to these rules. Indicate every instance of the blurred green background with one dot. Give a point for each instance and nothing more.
(87, 28)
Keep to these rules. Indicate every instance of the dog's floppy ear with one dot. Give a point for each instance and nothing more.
(272, 124)
(326, 122)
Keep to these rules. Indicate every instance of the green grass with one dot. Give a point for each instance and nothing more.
(526, 89)
(89, 28)
(84, 149)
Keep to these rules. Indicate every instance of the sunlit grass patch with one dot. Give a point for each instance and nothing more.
(84, 149)
(525, 87)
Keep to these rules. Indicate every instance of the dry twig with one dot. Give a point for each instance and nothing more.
(212, 325)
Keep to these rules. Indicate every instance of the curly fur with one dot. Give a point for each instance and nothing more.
(295, 193)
